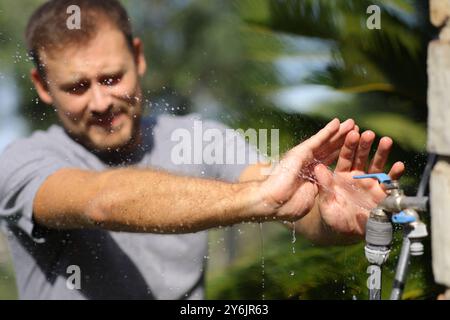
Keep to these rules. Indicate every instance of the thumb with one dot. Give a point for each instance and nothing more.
(324, 177)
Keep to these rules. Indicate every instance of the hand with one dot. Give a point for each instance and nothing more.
(344, 202)
(290, 191)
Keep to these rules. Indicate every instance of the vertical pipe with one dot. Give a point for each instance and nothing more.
(402, 268)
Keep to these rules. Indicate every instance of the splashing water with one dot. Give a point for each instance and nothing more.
(294, 239)
(352, 188)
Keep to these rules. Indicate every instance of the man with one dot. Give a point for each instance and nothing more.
(100, 194)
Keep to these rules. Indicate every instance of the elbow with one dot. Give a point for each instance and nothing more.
(103, 210)
(99, 208)
(96, 213)
(108, 206)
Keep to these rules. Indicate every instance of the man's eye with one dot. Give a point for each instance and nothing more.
(78, 89)
(111, 81)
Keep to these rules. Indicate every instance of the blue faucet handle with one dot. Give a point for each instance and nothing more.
(382, 177)
(402, 218)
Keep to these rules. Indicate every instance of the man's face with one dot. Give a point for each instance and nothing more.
(95, 89)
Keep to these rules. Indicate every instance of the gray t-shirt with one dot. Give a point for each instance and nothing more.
(112, 265)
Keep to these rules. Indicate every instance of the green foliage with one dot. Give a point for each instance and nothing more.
(311, 272)
(389, 63)
(7, 284)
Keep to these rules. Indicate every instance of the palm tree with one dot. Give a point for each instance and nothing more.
(383, 71)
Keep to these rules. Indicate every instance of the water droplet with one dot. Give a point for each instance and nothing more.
(294, 239)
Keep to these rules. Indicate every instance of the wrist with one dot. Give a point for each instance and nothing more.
(259, 209)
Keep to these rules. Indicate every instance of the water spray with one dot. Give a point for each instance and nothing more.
(399, 209)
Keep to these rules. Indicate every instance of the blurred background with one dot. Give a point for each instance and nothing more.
(285, 64)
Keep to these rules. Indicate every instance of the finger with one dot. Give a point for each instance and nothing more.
(347, 154)
(363, 150)
(327, 144)
(356, 128)
(324, 178)
(324, 135)
(312, 145)
(344, 128)
(380, 158)
(397, 170)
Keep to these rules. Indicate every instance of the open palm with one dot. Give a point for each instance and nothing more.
(344, 202)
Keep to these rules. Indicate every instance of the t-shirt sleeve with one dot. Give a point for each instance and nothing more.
(237, 153)
(22, 171)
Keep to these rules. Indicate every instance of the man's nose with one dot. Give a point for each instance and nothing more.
(100, 100)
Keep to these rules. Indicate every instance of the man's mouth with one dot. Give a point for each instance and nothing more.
(109, 121)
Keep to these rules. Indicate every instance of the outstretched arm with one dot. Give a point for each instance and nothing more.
(144, 200)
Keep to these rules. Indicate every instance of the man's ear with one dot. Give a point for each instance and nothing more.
(139, 57)
(41, 87)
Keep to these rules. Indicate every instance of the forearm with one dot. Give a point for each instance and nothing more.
(151, 201)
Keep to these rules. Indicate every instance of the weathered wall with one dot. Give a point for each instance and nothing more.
(439, 139)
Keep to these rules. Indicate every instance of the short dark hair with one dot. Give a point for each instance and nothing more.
(47, 27)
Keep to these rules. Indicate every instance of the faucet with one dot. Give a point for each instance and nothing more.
(399, 209)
